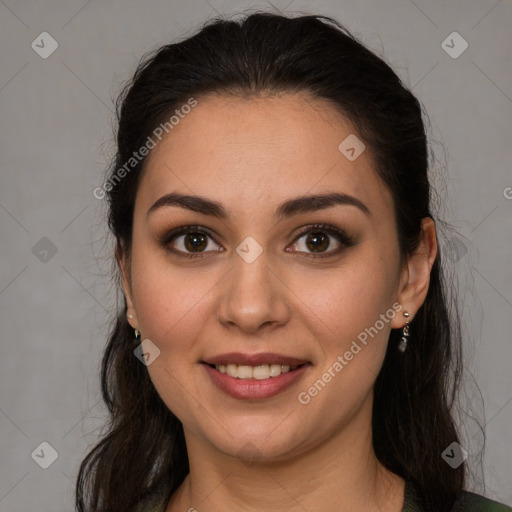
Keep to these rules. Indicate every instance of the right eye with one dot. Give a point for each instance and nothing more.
(189, 242)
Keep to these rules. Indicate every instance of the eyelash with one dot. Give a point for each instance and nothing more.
(342, 237)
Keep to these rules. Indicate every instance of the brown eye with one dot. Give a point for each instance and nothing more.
(190, 242)
(317, 240)
(195, 242)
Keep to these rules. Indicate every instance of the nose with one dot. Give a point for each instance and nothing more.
(253, 297)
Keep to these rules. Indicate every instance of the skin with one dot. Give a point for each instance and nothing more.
(252, 154)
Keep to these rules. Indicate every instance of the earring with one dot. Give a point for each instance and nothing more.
(405, 334)
(137, 335)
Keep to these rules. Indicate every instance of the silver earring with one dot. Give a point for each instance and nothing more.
(137, 335)
(405, 334)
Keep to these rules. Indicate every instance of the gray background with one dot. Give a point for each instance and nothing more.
(56, 137)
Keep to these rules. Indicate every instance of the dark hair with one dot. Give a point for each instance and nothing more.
(265, 53)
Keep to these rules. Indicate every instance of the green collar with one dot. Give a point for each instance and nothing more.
(467, 501)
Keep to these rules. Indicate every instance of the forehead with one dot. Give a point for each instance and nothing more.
(253, 153)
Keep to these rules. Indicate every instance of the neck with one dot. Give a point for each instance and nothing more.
(341, 474)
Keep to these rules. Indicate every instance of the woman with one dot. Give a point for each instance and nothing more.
(286, 340)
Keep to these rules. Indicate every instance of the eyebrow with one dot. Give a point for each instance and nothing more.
(290, 207)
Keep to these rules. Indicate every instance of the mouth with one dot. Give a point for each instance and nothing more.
(259, 372)
(256, 376)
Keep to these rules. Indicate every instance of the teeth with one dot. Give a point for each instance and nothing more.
(261, 372)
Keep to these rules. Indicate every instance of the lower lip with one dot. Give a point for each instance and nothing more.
(254, 388)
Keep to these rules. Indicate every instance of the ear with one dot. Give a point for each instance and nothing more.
(123, 262)
(415, 276)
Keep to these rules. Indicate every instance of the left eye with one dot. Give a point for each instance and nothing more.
(315, 241)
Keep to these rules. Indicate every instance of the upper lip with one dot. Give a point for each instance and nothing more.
(254, 359)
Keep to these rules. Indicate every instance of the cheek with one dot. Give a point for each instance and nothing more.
(353, 348)
(350, 298)
(357, 307)
(171, 305)
(170, 302)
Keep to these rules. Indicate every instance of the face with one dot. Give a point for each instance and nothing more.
(264, 278)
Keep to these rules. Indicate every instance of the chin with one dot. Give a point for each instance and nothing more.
(264, 441)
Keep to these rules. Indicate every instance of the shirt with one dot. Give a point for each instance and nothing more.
(466, 502)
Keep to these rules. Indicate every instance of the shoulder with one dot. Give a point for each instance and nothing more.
(471, 502)
(466, 502)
